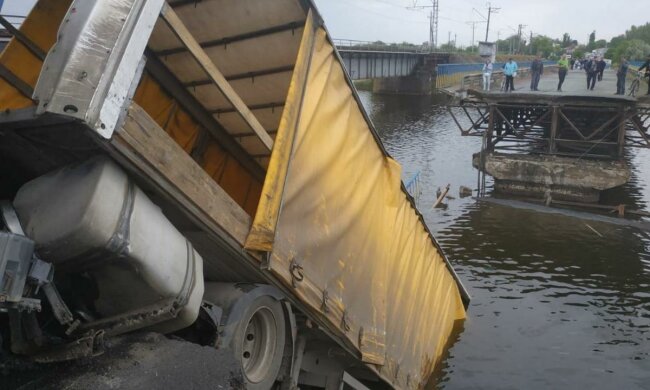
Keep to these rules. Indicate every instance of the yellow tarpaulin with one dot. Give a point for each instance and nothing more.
(38, 28)
(348, 240)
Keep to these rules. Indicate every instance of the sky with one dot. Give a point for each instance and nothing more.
(391, 21)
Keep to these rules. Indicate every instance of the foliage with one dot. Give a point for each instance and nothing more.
(633, 50)
(543, 46)
(579, 52)
(634, 44)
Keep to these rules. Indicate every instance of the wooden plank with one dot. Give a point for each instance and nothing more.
(183, 34)
(149, 148)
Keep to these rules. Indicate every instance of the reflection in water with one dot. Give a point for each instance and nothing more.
(554, 303)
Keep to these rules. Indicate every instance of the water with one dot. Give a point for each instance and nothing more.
(554, 305)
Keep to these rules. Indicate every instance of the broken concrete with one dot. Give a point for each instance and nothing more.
(572, 179)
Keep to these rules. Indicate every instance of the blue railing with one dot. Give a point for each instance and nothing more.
(449, 69)
(636, 64)
(413, 186)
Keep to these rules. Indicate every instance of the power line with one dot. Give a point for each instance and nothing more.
(433, 21)
(473, 24)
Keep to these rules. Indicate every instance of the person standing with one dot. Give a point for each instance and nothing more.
(601, 68)
(591, 68)
(487, 74)
(536, 71)
(563, 68)
(646, 66)
(620, 76)
(510, 71)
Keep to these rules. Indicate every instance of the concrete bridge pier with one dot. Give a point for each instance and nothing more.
(392, 70)
(417, 84)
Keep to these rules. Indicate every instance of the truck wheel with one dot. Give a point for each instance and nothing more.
(258, 342)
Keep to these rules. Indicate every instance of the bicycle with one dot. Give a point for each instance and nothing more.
(636, 84)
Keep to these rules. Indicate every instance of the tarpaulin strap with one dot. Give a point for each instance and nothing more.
(345, 321)
(16, 82)
(361, 331)
(22, 38)
(326, 298)
(297, 273)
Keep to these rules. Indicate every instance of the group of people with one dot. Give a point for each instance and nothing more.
(509, 71)
(594, 68)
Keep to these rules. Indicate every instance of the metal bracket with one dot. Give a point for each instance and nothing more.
(10, 218)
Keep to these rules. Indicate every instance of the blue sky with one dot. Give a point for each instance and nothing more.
(391, 21)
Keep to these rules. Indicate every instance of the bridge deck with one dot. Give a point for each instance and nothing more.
(575, 123)
(574, 84)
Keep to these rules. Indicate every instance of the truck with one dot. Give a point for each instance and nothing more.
(205, 170)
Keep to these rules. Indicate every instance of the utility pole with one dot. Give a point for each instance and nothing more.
(490, 10)
(498, 39)
(521, 26)
(449, 39)
(433, 21)
(473, 24)
(530, 44)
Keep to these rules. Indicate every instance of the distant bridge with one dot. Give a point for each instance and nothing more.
(368, 60)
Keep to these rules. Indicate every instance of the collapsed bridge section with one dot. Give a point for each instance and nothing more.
(571, 146)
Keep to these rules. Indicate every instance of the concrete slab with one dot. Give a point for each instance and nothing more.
(565, 178)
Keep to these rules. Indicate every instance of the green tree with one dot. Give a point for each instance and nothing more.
(579, 52)
(592, 41)
(542, 45)
(634, 50)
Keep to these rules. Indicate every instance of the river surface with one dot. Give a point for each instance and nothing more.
(554, 304)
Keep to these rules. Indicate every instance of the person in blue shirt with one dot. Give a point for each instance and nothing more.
(510, 71)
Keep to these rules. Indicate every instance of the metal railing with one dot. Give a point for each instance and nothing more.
(352, 44)
(448, 75)
(413, 187)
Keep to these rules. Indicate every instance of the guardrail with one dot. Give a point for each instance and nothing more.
(448, 75)
(413, 186)
(352, 44)
(475, 80)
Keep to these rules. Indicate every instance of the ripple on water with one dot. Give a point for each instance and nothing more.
(554, 305)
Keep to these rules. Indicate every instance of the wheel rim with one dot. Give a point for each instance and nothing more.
(258, 345)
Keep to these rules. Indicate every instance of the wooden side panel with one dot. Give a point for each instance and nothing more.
(142, 141)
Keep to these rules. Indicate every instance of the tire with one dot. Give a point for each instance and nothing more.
(259, 341)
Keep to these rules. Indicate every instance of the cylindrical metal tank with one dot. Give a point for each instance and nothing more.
(91, 217)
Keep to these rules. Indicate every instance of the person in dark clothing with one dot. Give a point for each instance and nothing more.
(646, 66)
(591, 68)
(601, 68)
(620, 76)
(536, 71)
